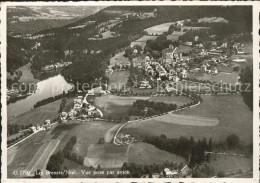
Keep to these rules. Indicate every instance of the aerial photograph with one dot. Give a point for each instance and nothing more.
(129, 92)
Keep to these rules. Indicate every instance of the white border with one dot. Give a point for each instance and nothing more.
(256, 9)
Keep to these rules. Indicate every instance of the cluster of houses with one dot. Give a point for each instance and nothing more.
(125, 139)
(40, 127)
(56, 66)
(83, 107)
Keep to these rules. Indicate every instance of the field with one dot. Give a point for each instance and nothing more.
(185, 120)
(38, 115)
(142, 91)
(118, 80)
(115, 106)
(227, 109)
(22, 154)
(178, 100)
(175, 36)
(146, 38)
(118, 59)
(143, 153)
(159, 29)
(27, 76)
(213, 19)
(224, 77)
(88, 134)
(142, 44)
(228, 163)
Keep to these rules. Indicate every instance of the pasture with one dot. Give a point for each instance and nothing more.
(178, 100)
(227, 109)
(118, 59)
(88, 134)
(118, 80)
(223, 77)
(186, 120)
(213, 19)
(159, 29)
(229, 163)
(144, 153)
(115, 106)
(38, 115)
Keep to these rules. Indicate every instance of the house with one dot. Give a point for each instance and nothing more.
(47, 124)
(170, 55)
(196, 38)
(145, 84)
(184, 73)
(77, 106)
(170, 173)
(188, 43)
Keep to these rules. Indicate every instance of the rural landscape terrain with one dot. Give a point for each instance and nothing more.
(128, 91)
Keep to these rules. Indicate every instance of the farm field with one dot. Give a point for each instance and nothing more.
(38, 115)
(24, 153)
(142, 91)
(118, 59)
(223, 77)
(146, 38)
(118, 80)
(186, 120)
(144, 153)
(227, 109)
(228, 163)
(142, 44)
(159, 29)
(213, 19)
(27, 76)
(115, 106)
(88, 134)
(248, 56)
(178, 100)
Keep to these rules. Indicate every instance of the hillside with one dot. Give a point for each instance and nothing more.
(28, 20)
(86, 44)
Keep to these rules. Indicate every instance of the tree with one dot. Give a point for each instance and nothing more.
(210, 145)
(233, 141)
(98, 167)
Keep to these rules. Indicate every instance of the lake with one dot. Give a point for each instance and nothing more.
(47, 88)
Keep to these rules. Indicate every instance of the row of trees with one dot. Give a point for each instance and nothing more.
(192, 150)
(51, 99)
(150, 108)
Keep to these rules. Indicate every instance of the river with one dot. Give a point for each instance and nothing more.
(47, 88)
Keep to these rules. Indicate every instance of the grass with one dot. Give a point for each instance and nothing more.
(225, 77)
(143, 153)
(178, 100)
(229, 164)
(25, 152)
(186, 120)
(227, 109)
(118, 59)
(27, 76)
(118, 80)
(139, 91)
(38, 115)
(115, 106)
(213, 19)
(159, 29)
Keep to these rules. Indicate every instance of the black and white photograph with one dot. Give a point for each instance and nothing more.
(128, 91)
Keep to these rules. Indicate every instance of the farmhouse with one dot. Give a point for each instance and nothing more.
(170, 173)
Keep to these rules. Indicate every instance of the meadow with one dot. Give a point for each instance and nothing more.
(118, 59)
(38, 115)
(115, 106)
(178, 100)
(118, 80)
(226, 109)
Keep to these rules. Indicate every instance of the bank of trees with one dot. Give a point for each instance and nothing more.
(195, 151)
(150, 108)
